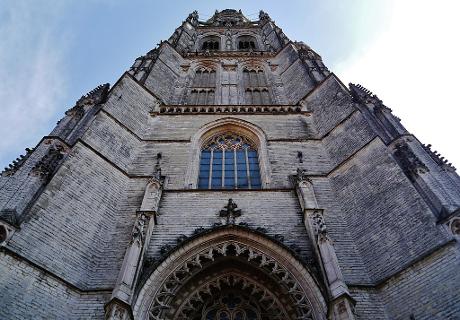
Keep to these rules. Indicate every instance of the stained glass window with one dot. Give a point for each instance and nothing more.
(229, 161)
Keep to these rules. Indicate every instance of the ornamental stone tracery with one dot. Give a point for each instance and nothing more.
(159, 291)
(208, 301)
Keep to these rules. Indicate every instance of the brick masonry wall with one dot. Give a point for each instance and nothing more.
(428, 290)
(29, 293)
(183, 212)
(389, 221)
(74, 219)
(80, 225)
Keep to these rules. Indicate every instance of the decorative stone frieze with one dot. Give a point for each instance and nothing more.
(232, 109)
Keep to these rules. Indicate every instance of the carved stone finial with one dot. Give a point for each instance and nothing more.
(230, 212)
(301, 176)
(263, 16)
(410, 163)
(193, 18)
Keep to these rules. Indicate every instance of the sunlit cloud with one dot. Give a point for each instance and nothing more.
(413, 66)
(32, 75)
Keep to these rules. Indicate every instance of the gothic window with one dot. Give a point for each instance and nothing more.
(255, 87)
(246, 43)
(229, 161)
(203, 87)
(211, 43)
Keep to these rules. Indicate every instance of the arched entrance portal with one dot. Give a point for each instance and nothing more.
(231, 273)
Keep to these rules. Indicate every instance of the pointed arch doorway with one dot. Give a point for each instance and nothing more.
(230, 273)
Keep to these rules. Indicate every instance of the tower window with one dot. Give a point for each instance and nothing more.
(255, 87)
(229, 161)
(246, 43)
(211, 43)
(203, 88)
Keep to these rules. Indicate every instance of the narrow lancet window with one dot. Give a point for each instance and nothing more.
(229, 161)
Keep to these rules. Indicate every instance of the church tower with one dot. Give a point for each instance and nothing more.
(229, 175)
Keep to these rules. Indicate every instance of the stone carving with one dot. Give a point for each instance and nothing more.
(193, 18)
(319, 226)
(230, 213)
(117, 310)
(263, 16)
(48, 164)
(16, 164)
(190, 267)
(6, 231)
(138, 233)
(409, 162)
(228, 40)
(301, 177)
(153, 189)
(455, 226)
(270, 305)
(240, 109)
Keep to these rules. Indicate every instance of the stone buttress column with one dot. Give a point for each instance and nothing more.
(119, 307)
(342, 303)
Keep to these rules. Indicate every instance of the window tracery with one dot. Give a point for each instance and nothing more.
(229, 161)
(203, 87)
(246, 43)
(211, 43)
(255, 87)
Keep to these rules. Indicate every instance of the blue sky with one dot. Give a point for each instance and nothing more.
(54, 51)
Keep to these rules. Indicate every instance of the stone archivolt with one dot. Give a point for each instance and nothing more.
(205, 298)
(231, 244)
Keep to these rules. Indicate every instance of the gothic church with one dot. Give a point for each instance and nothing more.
(229, 175)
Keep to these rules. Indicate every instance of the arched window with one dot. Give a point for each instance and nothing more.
(203, 87)
(246, 43)
(229, 161)
(211, 43)
(255, 87)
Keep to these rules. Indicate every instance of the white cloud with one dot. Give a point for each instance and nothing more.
(413, 68)
(31, 75)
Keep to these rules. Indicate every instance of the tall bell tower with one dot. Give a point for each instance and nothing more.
(229, 175)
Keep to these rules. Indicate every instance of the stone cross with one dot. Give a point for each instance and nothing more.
(230, 212)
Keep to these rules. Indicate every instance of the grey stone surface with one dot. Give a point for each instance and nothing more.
(384, 209)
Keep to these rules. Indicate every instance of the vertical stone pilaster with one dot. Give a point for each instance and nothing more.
(341, 301)
(119, 305)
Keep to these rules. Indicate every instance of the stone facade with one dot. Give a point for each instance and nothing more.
(355, 217)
